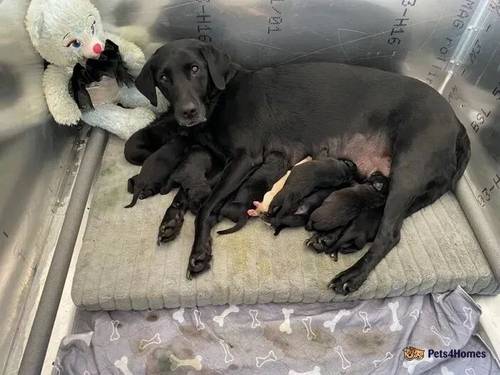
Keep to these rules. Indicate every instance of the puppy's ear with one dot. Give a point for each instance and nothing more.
(146, 82)
(219, 65)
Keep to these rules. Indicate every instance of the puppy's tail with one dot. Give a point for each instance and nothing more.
(135, 197)
(240, 224)
(462, 150)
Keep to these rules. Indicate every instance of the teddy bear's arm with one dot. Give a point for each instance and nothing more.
(132, 55)
(61, 104)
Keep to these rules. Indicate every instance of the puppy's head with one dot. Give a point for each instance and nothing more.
(186, 72)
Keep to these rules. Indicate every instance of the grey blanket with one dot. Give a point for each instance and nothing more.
(368, 337)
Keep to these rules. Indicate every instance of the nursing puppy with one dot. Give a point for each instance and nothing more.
(261, 207)
(302, 177)
(195, 177)
(350, 238)
(343, 205)
(155, 172)
(301, 216)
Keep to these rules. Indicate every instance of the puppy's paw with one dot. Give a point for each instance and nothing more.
(325, 243)
(349, 280)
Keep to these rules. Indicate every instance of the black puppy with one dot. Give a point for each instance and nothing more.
(301, 216)
(236, 209)
(350, 238)
(315, 192)
(195, 177)
(343, 205)
(380, 120)
(155, 172)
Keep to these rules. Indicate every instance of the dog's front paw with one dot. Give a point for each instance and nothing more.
(199, 261)
(349, 280)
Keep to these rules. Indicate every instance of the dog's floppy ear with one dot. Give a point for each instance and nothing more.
(146, 82)
(219, 65)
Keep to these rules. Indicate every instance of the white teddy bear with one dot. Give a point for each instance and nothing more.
(68, 32)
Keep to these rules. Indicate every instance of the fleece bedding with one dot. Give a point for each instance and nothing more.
(417, 335)
(120, 266)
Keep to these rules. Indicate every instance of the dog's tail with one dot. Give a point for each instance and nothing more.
(239, 224)
(463, 152)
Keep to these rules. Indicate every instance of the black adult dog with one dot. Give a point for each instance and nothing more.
(380, 120)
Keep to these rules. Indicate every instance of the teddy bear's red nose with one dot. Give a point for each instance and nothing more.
(97, 48)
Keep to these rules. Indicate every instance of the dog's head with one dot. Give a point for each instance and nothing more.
(186, 72)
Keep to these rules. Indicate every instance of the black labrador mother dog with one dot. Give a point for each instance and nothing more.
(382, 121)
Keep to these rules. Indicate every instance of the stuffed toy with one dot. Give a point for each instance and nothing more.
(69, 35)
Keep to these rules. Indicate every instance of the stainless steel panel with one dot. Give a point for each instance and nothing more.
(474, 92)
(403, 35)
(450, 44)
(33, 157)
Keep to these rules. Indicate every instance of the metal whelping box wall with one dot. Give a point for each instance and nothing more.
(450, 44)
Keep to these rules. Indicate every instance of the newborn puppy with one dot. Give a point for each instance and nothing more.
(351, 238)
(308, 178)
(300, 217)
(343, 205)
(262, 207)
(254, 188)
(192, 175)
(195, 176)
(155, 172)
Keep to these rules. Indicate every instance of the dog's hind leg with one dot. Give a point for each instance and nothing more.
(173, 219)
(417, 179)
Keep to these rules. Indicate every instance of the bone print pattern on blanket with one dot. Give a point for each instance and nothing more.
(354, 337)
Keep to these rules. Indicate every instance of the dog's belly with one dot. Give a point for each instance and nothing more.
(371, 153)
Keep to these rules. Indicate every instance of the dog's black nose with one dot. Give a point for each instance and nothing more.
(189, 111)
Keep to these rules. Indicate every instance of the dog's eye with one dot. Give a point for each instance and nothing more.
(92, 28)
(164, 78)
(75, 43)
(195, 69)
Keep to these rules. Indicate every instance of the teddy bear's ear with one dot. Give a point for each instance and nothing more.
(35, 23)
(146, 83)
